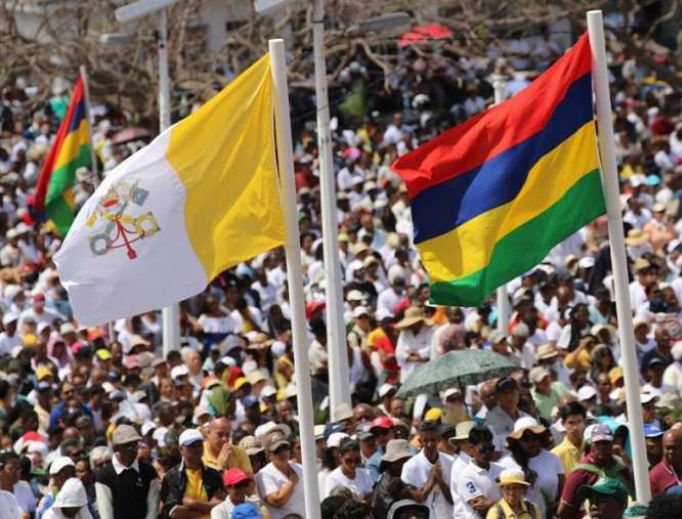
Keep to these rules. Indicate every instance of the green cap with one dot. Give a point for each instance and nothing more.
(635, 511)
(611, 487)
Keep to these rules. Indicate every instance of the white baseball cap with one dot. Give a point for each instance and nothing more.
(60, 463)
(586, 392)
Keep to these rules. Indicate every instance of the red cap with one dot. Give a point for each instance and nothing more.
(39, 297)
(234, 476)
(382, 422)
(312, 307)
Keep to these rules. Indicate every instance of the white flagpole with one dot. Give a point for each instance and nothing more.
(503, 312)
(607, 154)
(292, 247)
(339, 389)
(170, 315)
(86, 95)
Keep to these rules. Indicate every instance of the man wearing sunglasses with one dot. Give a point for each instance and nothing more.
(237, 483)
(476, 488)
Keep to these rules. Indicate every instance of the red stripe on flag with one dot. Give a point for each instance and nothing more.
(494, 131)
(48, 166)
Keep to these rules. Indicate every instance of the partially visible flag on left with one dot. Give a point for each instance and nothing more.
(71, 149)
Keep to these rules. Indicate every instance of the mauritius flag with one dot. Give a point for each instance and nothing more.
(491, 197)
(54, 195)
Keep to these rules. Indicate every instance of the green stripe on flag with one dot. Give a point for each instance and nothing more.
(65, 177)
(57, 207)
(527, 245)
(61, 214)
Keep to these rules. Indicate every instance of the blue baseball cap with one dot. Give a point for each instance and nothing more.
(250, 401)
(246, 511)
(333, 427)
(652, 430)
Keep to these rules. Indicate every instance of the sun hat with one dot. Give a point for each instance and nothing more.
(538, 374)
(397, 449)
(450, 392)
(190, 437)
(496, 336)
(71, 495)
(342, 413)
(462, 430)
(251, 445)
(526, 423)
(413, 315)
(510, 477)
(546, 351)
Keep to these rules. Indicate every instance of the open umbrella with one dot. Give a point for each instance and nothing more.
(422, 33)
(457, 369)
(130, 134)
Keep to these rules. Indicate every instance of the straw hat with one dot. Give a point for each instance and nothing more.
(413, 315)
(636, 238)
(510, 477)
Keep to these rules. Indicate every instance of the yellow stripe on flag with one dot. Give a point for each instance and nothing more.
(224, 156)
(468, 248)
(72, 144)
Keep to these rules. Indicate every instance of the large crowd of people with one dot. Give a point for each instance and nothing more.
(99, 423)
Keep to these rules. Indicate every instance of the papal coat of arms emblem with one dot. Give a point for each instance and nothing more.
(118, 220)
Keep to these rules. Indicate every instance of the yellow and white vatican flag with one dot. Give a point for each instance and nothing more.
(202, 197)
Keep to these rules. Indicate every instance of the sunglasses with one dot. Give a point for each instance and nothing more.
(530, 437)
(243, 485)
(353, 461)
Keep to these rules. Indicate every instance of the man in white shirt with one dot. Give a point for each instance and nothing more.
(9, 338)
(414, 341)
(646, 275)
(429, 473)
(475, 487)
(500, 419)
(38, 312)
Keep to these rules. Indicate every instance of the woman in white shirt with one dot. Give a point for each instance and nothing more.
(542, 468)
(349, 474)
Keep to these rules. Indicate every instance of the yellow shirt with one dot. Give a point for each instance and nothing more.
(501, 510)
(238, 458)
(195, 488)
(568, 454)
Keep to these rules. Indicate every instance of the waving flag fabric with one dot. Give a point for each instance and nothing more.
(491, 197)
(200, 198)
(70, 151)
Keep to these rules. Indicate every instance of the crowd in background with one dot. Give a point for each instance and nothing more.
(99, 423)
